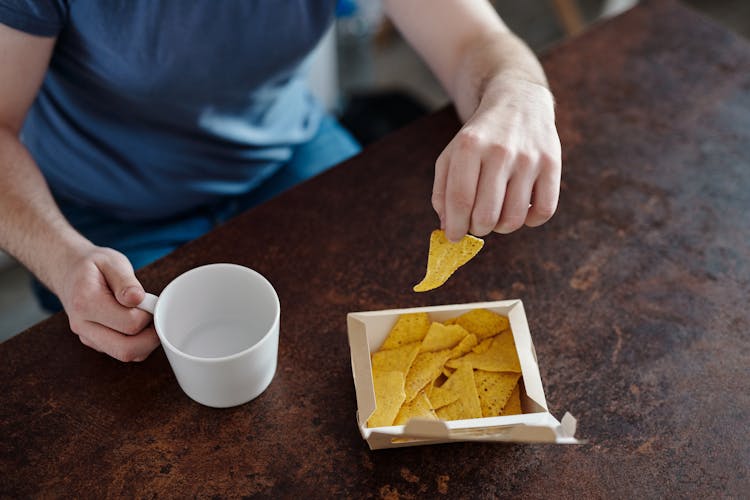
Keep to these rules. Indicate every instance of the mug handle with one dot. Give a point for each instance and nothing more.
(148, 303)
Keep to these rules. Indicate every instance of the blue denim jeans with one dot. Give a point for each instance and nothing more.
(145, 242)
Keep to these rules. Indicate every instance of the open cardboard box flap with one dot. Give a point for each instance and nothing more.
(367, 330)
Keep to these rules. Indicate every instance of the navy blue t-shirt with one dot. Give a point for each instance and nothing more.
(152, 107)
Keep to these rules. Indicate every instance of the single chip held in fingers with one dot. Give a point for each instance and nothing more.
(445, 257)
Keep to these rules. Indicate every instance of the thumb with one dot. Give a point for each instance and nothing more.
(120, 277)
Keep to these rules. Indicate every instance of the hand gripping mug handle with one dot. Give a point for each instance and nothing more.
(148, 303)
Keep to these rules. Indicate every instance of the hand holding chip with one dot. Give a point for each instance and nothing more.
(502, 169)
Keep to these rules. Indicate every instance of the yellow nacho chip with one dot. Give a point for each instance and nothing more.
(426, 368)
(501, 356)
(483, 346)
(445, 257)
(466, 345)
(389, 396)
(440, 337)
(419, 407)
(483, 323)
(410, 327)
(399, 359)
(494, 389)
(450, 391)
(460, 393)
(513, 406)
(444, 371)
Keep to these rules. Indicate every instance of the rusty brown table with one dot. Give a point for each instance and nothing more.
(636, 292)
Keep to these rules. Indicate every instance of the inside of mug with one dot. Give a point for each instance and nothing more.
(216, 311)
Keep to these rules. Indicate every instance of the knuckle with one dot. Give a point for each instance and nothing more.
(468, 139)
(133, 324)
(78, 303)
(545, 211)
(462, 202)
(550, 161)
(442, 159)
(130, 328)
(437, 203)
(512, 222)
(76, 325)
(126, 354)
(484, 220)
(524, 160)
(497, 150)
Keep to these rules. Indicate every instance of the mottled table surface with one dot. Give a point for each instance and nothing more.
(636, 294)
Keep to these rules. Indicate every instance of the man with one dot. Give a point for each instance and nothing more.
(130, 127)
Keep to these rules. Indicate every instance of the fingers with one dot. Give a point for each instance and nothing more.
(121, 279)
(505, 159)
(545, 197)
(461, 185)
(100, 306)
(490, 195)
(516, 202)
(124, 348)
(438, 186)
(100, 292)
(94, 296)
(496, 203)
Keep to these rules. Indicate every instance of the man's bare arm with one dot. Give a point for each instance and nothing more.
(96, 285)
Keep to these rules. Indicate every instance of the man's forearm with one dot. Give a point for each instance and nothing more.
(32, 229)
(489, 63)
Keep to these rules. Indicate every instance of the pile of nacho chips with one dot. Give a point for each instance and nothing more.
(466, 367)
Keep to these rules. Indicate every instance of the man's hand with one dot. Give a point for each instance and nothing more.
(99, 292)
(502, 169)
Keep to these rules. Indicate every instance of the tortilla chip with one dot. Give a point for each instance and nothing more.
(483, 323)
(451, 390)
(483, 346)
(389, 396)
(410, 327)
(494, 389)
(399, 359)
(440, 337)
(426, 368)
(501, 356)
(460, 393)
(419, 407)
(445, 257)
(513, 406)
(466, 345)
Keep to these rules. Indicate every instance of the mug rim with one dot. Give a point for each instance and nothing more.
(274, 325)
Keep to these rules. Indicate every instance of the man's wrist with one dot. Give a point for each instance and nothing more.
(517, 84)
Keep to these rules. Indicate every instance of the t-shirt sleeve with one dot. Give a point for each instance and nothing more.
(37, 17)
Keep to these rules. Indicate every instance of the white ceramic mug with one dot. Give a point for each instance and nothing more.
(219, 326)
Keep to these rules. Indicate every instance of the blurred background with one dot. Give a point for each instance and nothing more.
(369, 77)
